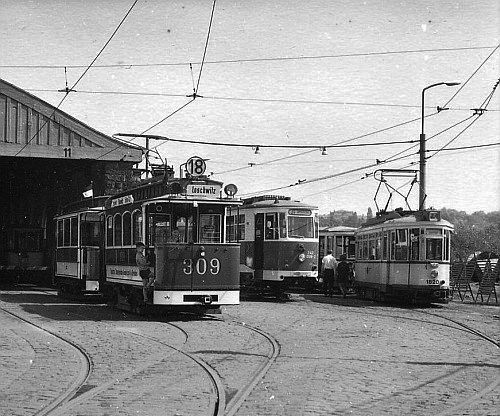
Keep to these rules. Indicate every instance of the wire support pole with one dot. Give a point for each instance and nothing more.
(422, 190)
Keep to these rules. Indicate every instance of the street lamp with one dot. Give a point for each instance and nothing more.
(422, 194)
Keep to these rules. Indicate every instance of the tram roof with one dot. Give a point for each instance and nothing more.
(406, 218)
(340, 229)
(275, 201)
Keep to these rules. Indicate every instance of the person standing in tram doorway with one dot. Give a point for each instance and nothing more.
(144, 270)
(328, 266)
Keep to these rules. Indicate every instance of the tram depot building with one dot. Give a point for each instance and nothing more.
(47, 160)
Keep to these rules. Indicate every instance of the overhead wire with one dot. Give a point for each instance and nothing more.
(393, 158)
(471, 76)
(270, 59)
(263, 100)
(194, 95)
(206, 46)
(261, 146)
(79, 78)
(478, 113)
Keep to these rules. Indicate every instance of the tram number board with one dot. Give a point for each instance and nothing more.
(201, 266)
(195, 166)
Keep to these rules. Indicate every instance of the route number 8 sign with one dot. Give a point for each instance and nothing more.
(195, 166)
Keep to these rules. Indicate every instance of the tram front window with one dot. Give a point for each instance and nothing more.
(210, 228)
(434, 248)
(300, 227)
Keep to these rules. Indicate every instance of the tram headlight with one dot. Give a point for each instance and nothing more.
(434, 273)
(302, 257)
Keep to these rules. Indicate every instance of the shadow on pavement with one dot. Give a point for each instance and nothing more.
(45, 303)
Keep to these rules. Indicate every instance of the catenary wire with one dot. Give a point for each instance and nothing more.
(480, 111)
(271, 59)
(388, 160)
(250, 99)
(194, 95)
(471, 76)
(79, 78)
(206, 46)
(261, 146)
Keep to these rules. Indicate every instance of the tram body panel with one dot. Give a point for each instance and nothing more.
(194, 267)
(282, 260)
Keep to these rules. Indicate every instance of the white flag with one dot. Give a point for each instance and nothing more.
(88, 192)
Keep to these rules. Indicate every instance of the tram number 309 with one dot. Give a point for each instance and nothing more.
(202, 266)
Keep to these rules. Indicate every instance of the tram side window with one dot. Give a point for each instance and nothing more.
(385, 249)
(109, 231)
(401, 245)
(235, 227)
(339, 247)
(446, 245)
(74, 231)
(371, 247)
(378, 243)
(137, 227)
(414, 243)
(60, 233)
(364, 243)
(66, 232)
(127, 229)
(230, 229)
(393, 245)
(117, 230)
(282, 218)
(210, 228)
(272, 231)
(350, 247)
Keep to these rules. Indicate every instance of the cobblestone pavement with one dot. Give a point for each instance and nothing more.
(345, 356)
(337, 357)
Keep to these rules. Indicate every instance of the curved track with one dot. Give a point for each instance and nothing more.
(239, 398)
(452, 324)
(79, 380)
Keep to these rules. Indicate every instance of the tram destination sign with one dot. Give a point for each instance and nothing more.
(203, 190)
(124, 200)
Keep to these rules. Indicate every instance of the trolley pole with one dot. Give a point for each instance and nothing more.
(423, 161)
(147, 157)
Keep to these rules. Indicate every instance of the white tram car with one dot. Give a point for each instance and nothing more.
(404, 255)
(79, 248)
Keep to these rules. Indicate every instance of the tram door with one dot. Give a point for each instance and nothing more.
(259, 243)
(91, 253)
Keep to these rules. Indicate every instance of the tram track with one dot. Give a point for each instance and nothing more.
(79, 380)
(239, 398)
(452, 324)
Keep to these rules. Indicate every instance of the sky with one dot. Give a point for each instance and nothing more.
(282, 73)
